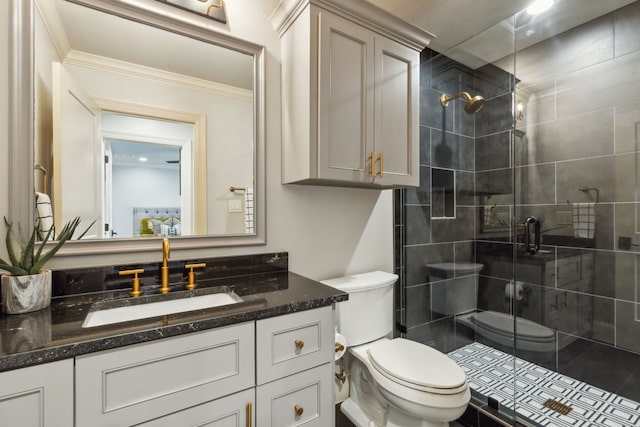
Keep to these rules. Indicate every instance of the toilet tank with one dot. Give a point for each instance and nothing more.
(368, 313)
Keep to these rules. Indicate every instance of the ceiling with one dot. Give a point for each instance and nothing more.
(468, 30)
(452, 21)
(89, 31)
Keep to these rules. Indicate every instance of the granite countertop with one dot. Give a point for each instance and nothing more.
(56, 332)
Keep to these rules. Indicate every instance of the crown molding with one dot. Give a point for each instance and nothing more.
(358, 11)
(110, 65)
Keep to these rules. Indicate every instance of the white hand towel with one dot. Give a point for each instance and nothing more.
(44, 213)
(249, 221)
(584, 220)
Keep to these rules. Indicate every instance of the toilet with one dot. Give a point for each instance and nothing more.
(452, 297)
(394, 382)
(499, 328)
(455, 299)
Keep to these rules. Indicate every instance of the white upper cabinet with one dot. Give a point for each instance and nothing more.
(350, 82)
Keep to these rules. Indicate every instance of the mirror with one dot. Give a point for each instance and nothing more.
(139, 79)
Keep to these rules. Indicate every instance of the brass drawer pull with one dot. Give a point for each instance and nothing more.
(299, 410)
(249, 414)
(380, 159)
(373, 164)
(299, 344)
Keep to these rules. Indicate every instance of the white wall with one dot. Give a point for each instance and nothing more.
(141, 187)
(327, 231)
(229, 138)
(4, 119)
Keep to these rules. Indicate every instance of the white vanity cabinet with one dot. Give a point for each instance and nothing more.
(272, 372)
(294, 362)
(37, 396)
(350, 87)
(144, 382)
(236, 410)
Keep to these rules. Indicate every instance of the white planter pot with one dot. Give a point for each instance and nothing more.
(23, 294)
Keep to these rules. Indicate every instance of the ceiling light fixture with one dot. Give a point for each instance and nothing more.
(539, 7)
(142, 159)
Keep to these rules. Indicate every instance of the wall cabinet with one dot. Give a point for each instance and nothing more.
(38, 396)
(350, 96)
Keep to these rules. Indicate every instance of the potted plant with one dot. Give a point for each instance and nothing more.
(27, 287)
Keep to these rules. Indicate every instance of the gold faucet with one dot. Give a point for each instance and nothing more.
(164, 270)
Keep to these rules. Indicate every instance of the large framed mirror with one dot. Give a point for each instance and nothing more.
(142, 118)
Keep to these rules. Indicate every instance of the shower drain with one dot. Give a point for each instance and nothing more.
(560, 408)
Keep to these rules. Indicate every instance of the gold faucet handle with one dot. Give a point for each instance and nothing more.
(192, 276)
(135, 291)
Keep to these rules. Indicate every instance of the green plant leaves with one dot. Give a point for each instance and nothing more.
(24, 258)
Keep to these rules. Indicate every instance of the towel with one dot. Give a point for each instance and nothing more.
(584, 220)
(249, 220)
(44, 213)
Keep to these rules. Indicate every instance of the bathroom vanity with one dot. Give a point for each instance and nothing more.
(266, 361)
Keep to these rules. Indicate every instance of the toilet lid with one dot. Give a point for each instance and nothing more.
(503, 323)
(417, 365)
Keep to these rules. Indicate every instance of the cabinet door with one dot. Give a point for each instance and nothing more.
(236, 410)
(345, 92)
(38, 396)
(396, 114)
(134, 384)
(301, 399)
(294, 342)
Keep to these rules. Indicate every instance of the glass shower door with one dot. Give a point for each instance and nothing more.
(576, 111)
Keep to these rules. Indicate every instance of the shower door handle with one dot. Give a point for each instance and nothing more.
(532, 249)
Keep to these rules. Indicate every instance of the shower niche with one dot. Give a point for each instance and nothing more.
(443, 193)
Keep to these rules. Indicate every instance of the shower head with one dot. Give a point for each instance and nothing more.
(473, 104)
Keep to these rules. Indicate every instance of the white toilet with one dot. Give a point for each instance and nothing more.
(394, 382)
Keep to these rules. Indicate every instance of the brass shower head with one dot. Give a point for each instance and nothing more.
(473, 104)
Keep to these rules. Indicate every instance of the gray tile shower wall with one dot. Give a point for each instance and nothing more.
(581, 96)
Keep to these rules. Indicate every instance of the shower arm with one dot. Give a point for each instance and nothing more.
(444, 98)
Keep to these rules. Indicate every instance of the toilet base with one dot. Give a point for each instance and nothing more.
(355, 414)
(400, 419)
(395, 419)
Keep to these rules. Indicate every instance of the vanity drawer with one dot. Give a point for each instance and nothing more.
(305, 399)
(294, 342)
(133, 384)
(235, 410)
(569, 270)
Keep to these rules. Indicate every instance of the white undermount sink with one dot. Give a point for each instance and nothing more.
(127, 313)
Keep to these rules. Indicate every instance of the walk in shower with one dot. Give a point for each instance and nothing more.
(519, 254)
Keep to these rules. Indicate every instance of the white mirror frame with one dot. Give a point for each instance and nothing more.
(21, 120)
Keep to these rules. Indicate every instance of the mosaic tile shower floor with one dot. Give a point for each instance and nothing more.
(490, 374)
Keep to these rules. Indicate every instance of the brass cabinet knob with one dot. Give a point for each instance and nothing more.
(299, 344)
(339, 347)
(299, 410)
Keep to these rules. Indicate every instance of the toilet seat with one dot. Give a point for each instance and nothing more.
(403, 362)
(501, 323)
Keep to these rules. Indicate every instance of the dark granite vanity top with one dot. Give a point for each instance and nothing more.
(56, 332)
